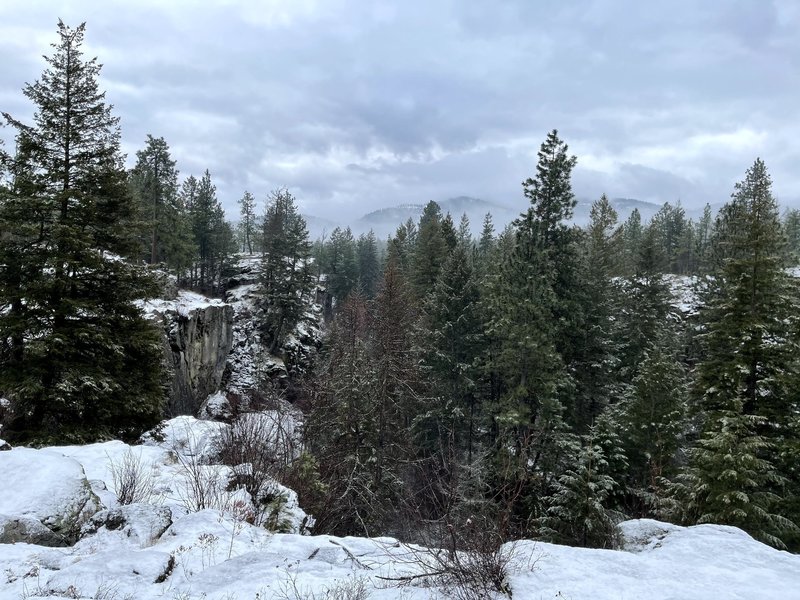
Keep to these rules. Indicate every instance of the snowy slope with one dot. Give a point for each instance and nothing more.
(159, 549)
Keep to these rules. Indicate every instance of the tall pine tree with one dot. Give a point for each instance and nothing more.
(83, 362)
(746, 384)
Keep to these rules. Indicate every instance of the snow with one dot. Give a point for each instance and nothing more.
(183, 305)
(160, 549)
(669, 562)
(47, 487)
(684, 293)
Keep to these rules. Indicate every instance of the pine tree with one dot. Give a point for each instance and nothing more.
(653, 421)
(550, 192)
(523, 306)
(449, 232)
(646, 313)
(576, 512)
(449, 425)
(746, 383)
(702, 238)
(213, 236)
(400, 247)
(791, 224)
(595, 360)
(82, 361)
(484, 250)
(398, 393)
(632, 232)
(731, 481)
(340, 426)
(340, 264)
(430, 250)
(247, 211)
(465, 232)
(155, 185)
(368, 263)
(286, 278)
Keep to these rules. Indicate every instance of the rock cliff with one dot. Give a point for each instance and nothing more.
(198, 334)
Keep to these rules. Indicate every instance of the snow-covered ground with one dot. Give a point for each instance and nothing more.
(164, 547)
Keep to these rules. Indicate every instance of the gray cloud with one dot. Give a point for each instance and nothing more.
(360, 105)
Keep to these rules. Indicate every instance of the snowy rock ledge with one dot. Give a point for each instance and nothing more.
(46, 497)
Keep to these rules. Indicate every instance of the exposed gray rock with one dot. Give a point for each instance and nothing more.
(198, 333)
(56, 494)
(30, 531)
(139, 524)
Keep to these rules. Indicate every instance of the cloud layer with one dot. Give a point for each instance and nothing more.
(356, 105)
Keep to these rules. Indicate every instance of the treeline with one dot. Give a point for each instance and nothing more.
(81, 239)
(542, 380)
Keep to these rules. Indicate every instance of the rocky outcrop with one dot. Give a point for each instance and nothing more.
(198, 334)
(47, 505)
(138, 524)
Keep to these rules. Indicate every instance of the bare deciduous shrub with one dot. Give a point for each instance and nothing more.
(350, 588)
(259, 447)
(200, 486)
(132, 478)
(472, 563)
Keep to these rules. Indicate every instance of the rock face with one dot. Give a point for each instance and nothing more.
(198, 334)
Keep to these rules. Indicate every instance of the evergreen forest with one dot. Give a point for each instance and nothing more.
(538, 381)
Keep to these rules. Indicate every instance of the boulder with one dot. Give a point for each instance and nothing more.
(48, 488)
(28, 530)
(139, 524)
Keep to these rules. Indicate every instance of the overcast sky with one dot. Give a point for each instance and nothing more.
(358, 104)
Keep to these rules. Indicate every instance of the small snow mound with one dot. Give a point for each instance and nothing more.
(216, 408)
(644, 534)
(188, 436)
(117, 573)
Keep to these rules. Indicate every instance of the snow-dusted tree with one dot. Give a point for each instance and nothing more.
(247, 210)
(341, 425)
(731, 480)
(286, 277)
(576, 513)
(84, 362)
(746, 384)
(369, 269)
(653, 419)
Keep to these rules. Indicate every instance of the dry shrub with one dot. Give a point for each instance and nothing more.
(472, 562)
(132, 478)
(259, 447)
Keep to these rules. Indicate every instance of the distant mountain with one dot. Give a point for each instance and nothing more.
(386, 220)
(317, 226)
